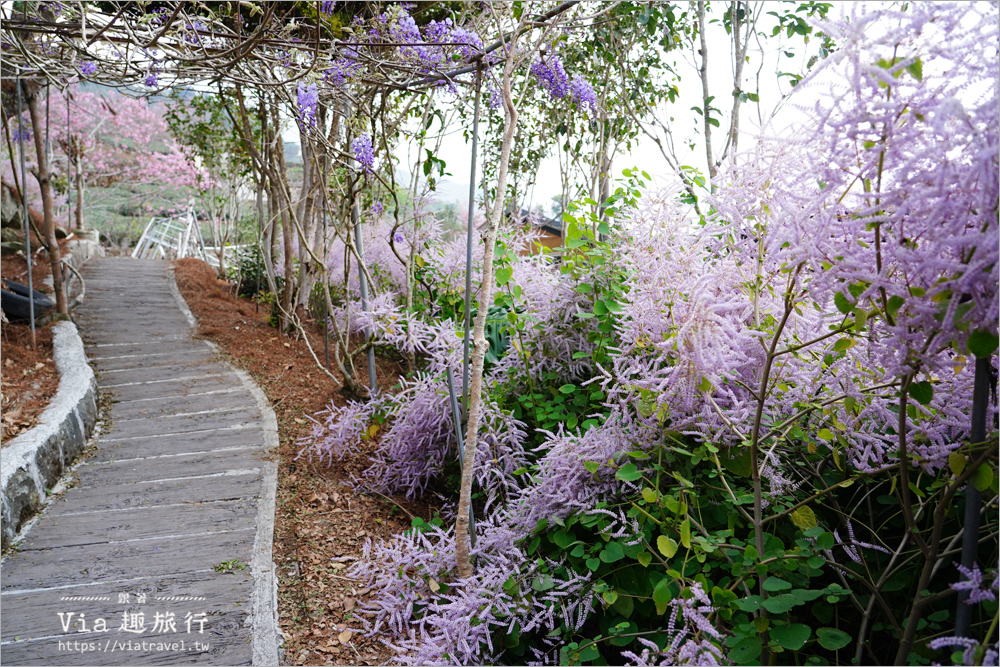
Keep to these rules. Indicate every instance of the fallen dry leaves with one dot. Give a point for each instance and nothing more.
(321, 522)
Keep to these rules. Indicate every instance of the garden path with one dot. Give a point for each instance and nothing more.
(165, 532)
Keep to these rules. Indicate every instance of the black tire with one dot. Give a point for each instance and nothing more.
(16, 305)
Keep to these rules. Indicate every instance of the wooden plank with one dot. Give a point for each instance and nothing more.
(121, 412)
(180, 368)
(140, 523)
(183, 443)
(199, 464)
(103, 563)
(186, 386)
(196, 490)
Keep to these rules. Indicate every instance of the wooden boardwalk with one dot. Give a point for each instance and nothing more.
(160, 550)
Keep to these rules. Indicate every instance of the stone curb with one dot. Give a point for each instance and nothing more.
(266, 649)
(34, 461)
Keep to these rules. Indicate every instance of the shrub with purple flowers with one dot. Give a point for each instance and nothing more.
(737, 442)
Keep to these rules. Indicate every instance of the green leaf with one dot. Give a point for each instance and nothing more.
(922, 392)
(662, 596)
(567, 388)
(749, 604)
(625, 605)
(543, 582)
(612, 552)
(686, 533)
(610, 596)
(825, 434)
(982, 343)
(779, 604)
(894, 304)
(649, 495)
(916, 69)
(774, 584)
(791, 637)
(628, 473)
(593, 564)
(957, 462)
(563, 539)
(592, 466)
(645, 558)
(832, 639)
(738, 464)
(804, 518)
(666, 545)
(842, 303)
(843, 344)
(503, 275)
(982, 479)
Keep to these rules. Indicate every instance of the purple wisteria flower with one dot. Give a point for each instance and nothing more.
(583, 94)
(551, 75)
(472, 44)
(308, 101)
(88, 68)
(342, 70)
(150, 80)
(494, 98)
(364, 153)
(327, 7)
(973, 582)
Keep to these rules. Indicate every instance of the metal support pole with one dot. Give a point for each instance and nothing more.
(326, 320)
(359, 246)
(468, 244)
(973, 498)
(456, 418)
(24, 212)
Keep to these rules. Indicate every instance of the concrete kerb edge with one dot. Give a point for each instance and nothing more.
(264, 618)
(35, 461)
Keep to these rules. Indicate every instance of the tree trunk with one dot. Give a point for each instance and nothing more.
(78, 181)
(480, 344)
(44, 184)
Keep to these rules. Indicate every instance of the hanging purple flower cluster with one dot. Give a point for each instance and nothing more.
(364, 153)
(342, 70)
(308, 101)
(88, 68)
(327, 7)
(551, 75)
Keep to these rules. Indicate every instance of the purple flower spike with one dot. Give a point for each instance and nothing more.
(551, 76)
(583, 94)
(364, 153)
(327, 7)
(150, 80)
(88, 68)
(308, 100)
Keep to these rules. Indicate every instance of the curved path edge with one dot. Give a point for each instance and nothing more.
(266, 631)
(34, 461)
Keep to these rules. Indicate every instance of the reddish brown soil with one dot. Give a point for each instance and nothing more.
(28, 377)
(321, 523)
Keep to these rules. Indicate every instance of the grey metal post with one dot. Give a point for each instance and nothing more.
(973, 498)
(326, 282)
(456, 418)
(359, 245)
(468, 245)
(24, 212)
